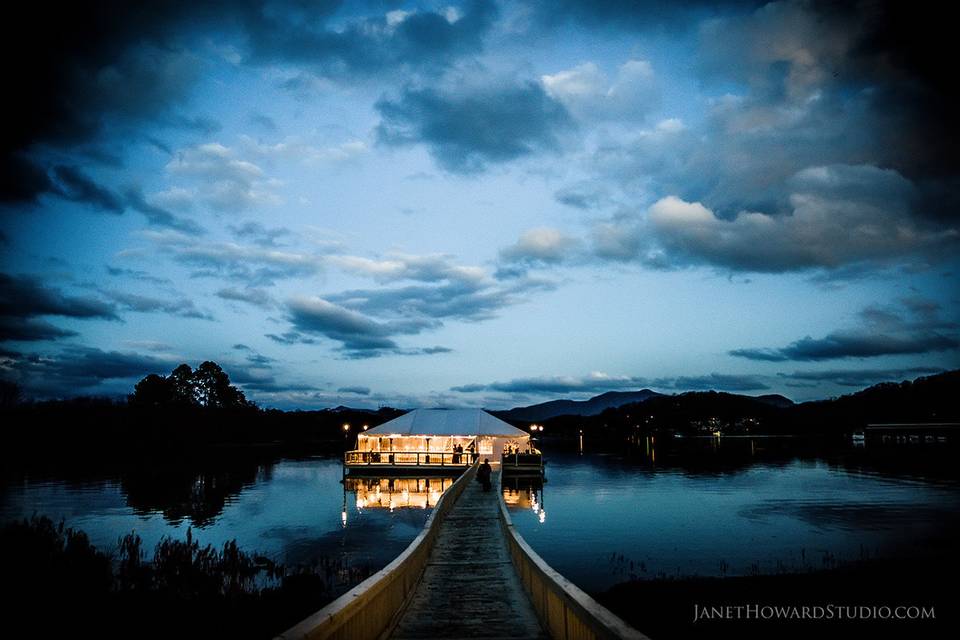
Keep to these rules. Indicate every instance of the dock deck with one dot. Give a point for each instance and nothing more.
(469, 587)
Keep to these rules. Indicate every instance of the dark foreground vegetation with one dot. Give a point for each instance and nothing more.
(59, 585)
(664, 608)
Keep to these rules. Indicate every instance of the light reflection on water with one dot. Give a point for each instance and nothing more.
(612, 520)
(292, 511)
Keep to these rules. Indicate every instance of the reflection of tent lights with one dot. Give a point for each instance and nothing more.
(343, 517)
(543, 516)
(361, 503)
(392, 504)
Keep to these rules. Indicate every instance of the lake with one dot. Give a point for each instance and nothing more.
(743, 507)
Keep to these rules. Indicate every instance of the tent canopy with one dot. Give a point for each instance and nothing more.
(447, 422)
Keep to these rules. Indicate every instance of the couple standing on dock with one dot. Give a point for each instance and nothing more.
(483, 474)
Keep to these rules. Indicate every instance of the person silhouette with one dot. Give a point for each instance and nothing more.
(483, 474)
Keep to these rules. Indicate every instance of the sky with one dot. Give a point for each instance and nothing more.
(478, 203)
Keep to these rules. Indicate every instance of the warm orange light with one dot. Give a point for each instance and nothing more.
(346, 427)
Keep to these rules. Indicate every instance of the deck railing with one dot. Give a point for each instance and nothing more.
(367, 610)
(412, 458)
(565, 612)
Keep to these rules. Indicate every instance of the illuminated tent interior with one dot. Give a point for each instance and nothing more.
(429, 437)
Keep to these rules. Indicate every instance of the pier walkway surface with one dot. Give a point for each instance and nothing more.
(470, 575)
(469, 588)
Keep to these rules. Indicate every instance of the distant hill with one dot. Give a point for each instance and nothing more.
(927, 399)
(775, 400)
(591, 407)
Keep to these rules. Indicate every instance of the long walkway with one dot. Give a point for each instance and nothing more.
(469, 588)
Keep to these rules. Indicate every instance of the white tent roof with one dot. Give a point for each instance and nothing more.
(446, 422)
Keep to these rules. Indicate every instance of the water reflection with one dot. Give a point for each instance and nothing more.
(395, 492)
(733, 506)
(525, 493)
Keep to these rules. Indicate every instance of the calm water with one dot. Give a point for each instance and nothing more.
(599, 519)
(291, 511)
(606, 519)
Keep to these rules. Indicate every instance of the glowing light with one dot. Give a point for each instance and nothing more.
(365, 427)
(343, 518)
(543, 516)
(346, 427)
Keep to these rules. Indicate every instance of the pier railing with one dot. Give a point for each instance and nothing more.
(412, 458)
(565, 611)
(367, 610)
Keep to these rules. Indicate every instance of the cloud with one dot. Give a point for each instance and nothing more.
(542, 245)
(149, 304)
(24, 298)
(596, 382)
(76, 370)
(29, 330)
(158, 216)
(73, 185)
(885, 332)
(586, 92)
(356, 332)
(137, 66)
(400, 266)
(249, 265)
(360, 391)
(839, 216)
(719, 382)
(851, 345)
(470, 126)
(366, 46)
(859, 377)
(251, 295)
(226, 182)
(259, 234)
(290, 337)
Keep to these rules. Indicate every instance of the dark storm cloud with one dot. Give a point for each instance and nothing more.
(857, 377)
(355, 331)
(629, 14)
(872, 69)
(913, 326)
(26, 297)
(75, 370)
(30, 330)
(719, 382)
(73, 185)
(364, 46)
(468, 127)
(84, 68)
(852, 345)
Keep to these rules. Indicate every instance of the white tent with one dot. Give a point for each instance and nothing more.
(431, 431)
(447, 422)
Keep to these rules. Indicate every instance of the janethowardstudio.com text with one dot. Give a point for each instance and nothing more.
(703, 613)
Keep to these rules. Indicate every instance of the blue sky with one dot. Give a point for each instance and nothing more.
(479, 203)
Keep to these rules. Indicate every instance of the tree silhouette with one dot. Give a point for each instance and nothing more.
(208, 386)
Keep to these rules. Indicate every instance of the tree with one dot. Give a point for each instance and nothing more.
(208, 386)
(152, 391)
(213, 389)
(182, 387)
